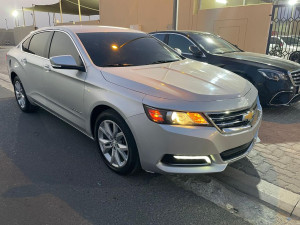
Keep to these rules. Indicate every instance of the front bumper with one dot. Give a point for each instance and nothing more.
(277, 93)
(154, 141)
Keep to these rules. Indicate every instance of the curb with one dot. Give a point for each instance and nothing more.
(261, 189)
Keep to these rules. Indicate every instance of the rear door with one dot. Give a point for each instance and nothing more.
(65, 87)
(34, 60)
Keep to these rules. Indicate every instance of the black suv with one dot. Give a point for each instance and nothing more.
(276, 79)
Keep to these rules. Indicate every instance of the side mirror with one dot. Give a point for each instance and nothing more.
(196, 51)
(178, 51)
(65, 62)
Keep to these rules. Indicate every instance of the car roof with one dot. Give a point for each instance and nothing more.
(184, 32)
(90, 29)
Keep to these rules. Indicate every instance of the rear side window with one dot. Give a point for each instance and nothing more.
(62, 45)
(39, 44)
(25, 45)
(159, 36)
(181, 42)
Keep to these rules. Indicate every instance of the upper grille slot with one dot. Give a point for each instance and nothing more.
(296, 78)
(235, 119)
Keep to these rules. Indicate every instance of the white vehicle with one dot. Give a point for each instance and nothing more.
(143, 103)
(284, 46)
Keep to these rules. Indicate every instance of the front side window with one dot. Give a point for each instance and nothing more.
(275, 41)
(181, 42)
(39, 44)
(108, 49)
(63, 45)
(213, 44)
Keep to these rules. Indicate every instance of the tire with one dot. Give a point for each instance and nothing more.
(295, 56)
(21, 96)
(113, 137)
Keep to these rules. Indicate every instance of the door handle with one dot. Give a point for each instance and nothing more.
(47, 68)
(24, 60)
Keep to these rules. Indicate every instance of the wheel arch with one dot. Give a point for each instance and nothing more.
(97, 110)
(13, 74)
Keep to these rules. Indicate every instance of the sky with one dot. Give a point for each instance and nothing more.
(42, 18)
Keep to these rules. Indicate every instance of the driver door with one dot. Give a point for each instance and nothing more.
(65, 87)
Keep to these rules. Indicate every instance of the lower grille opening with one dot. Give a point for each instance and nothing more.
(171, 160)
(296, 99)
(235, 152)
(281, 98)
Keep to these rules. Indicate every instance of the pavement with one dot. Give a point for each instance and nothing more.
(3, 51)
(277, 158)
(46, 156)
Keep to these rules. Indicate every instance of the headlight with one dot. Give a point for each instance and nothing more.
(175, 118)
(273, 74)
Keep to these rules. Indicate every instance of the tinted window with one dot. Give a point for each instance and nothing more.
(275, 41)
(126, 49)
(159, 36)
(39, 44)
(62, 45)
(291, 40)
(178, 41)
(213, 44)
(25, 44)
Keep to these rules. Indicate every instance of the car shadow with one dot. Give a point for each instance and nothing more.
(246, 166)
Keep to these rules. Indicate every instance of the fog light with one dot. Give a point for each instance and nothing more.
(182, 157)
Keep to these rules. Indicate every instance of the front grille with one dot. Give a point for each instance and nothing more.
(296, 78)
(235, 119)
(235, 152)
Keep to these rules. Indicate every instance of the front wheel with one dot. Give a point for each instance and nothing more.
(116, 143)
(21, 96)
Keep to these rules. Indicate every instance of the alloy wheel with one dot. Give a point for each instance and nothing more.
(19, 91)
(113, 143)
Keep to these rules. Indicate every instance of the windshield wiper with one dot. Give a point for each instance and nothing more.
(219, 52)
(231, 51)
(164, 61)
(117, 65)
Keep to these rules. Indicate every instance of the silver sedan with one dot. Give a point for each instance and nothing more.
(143, 103)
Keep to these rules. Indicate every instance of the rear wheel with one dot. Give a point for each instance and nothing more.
(21, 96)
(116, 143)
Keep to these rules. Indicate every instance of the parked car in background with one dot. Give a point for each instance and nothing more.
(284, 46)
(276, 79)
(143, 103)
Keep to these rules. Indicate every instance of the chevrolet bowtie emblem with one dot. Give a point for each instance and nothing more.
(248, 116)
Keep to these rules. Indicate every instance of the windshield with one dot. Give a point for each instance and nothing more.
(116, 49)
(213, 44)
(290, 40)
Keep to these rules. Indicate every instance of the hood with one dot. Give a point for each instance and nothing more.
(183, 80)
(264, 59)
